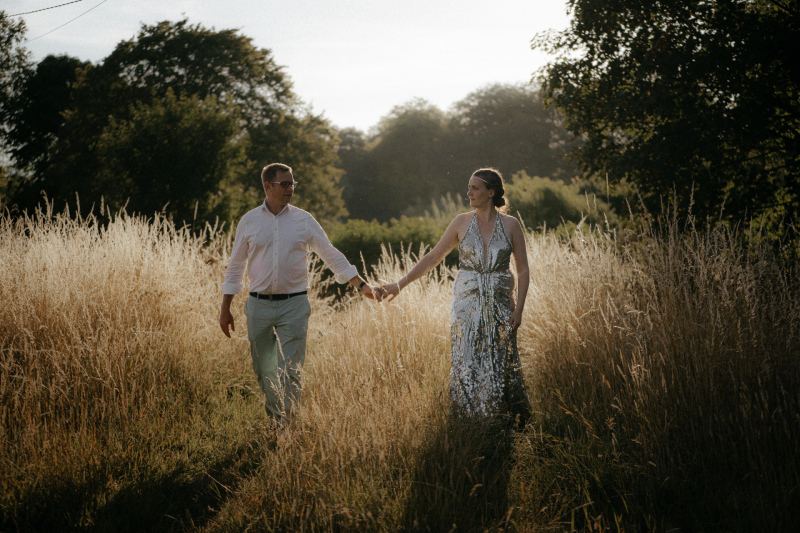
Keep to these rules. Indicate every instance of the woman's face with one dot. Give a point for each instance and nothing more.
(479, 195)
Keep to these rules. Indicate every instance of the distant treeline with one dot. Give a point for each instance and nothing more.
(419, 153)
(181, 118)
(640, 107)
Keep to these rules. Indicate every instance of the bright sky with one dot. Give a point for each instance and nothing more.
(353, 60)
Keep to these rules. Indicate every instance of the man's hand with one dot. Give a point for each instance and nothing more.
(225, 320)
(225, 315)
(365, 290)
(372, 294)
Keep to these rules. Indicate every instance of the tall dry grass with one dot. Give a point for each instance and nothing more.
(98, 320)
(664, 375)
(667, 380)
(374, 447)
(106, 347)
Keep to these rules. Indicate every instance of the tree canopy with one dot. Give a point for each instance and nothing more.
(405, 164)
(127, 128)
(508, 127)
(419, 153)
(15, 66)
(37, 107)
(695, 98)
(180, 154)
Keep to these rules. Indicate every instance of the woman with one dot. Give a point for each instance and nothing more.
(485, 376)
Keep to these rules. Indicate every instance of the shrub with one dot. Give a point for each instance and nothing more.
(543, 202)
(362, 242)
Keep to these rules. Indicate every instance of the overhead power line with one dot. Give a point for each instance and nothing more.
(46, 8)
(67, 22)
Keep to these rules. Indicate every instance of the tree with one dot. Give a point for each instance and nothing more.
(403, 165)
(15, 67)
(354, 161)
(181, 152)
(37, 110)
(695, 98)
(194, 63)
(15, 64)
(420, 154)
(508, 127)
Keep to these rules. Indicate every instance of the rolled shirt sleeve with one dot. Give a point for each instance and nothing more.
(333, 258)
(234, 274)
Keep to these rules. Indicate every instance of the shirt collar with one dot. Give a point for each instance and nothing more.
(266, 209)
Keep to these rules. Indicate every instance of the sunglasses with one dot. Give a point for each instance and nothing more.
(285, 184)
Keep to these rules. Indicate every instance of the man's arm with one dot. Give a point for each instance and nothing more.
(225, 315)
(335, 260)
(234, 275)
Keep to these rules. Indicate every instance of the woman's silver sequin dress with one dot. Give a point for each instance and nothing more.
(485, 375)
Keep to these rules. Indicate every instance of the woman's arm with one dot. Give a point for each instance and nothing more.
(520, 251)
(429, 261)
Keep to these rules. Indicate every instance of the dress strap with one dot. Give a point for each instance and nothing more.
(469, 227)
(503, 228)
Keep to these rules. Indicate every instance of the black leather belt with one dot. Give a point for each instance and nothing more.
(276, 296)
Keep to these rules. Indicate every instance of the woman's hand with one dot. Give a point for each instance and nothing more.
(390, 291)
(516, 319)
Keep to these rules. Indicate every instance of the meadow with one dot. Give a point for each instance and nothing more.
(663, 366)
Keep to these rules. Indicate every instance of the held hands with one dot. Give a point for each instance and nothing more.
(371, 293)
(390, 291)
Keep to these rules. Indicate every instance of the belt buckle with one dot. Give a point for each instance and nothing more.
(269, 297)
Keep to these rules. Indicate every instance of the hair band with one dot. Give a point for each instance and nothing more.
(483, 180)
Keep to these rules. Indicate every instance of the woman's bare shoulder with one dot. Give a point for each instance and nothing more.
(462, 219)
(510, 223)
(461, 222)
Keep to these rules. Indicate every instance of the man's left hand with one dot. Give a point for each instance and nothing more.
(368, 292)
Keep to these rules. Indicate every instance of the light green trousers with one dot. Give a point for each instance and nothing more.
(277, 333)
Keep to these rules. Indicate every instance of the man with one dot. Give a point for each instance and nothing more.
(274, 239)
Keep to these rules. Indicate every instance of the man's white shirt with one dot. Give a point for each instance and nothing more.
(276, 249)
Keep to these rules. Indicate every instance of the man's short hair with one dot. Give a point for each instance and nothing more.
(271, 171)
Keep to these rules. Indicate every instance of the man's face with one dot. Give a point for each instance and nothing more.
(276, 193)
